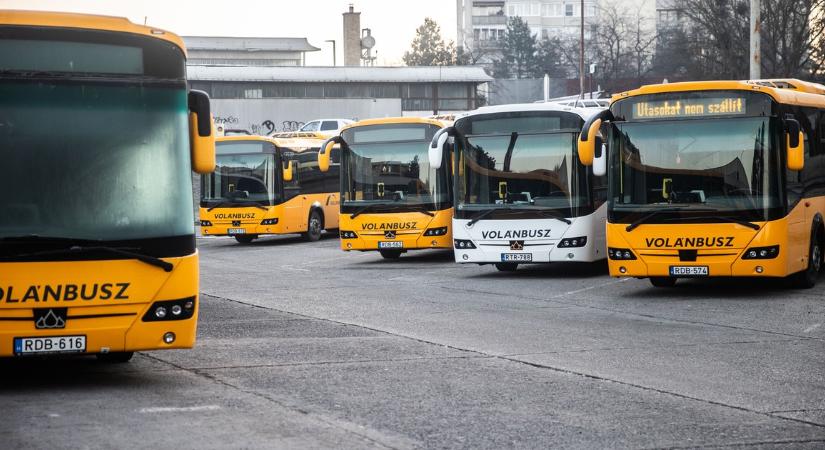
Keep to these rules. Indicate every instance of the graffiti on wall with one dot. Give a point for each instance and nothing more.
(232, 123)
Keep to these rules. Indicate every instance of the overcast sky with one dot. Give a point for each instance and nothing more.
(393, 22)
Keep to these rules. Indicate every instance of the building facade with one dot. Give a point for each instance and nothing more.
(262, 100)
(246, 51)
(482, 23)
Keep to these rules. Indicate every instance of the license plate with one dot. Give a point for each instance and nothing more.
(688, 271)
(391, 244)
(516, 257)
(55, 344)
(236, 231)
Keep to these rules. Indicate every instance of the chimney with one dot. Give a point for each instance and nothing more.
(352, 37)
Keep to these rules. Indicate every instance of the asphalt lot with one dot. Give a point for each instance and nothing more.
(304, 346)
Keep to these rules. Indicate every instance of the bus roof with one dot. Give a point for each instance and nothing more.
(584, 113)
(85, 21)
(291, 143)
(786, 91)
(395, 121)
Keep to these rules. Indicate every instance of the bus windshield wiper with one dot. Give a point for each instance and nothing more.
(724, 219)
(120, 251)
(413, 208)
(544, 212)
(646, 218)
(235, 203)
(363, 209)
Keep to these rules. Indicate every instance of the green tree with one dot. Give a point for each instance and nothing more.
(518, 58)
(428, 47)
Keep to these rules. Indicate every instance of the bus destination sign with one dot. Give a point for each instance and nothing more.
(690, 108)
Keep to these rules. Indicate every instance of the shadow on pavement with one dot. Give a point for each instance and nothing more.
(551, 270)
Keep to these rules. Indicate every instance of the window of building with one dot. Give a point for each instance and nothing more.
(568, 10)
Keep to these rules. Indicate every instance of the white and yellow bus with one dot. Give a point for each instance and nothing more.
(98, 136)
(714, 179)
(392, 199)
(268, 186)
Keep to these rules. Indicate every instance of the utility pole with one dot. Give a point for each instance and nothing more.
(756, 32)
(334, 62)
(581, 53)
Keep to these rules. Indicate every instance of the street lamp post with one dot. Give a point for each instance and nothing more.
(581, 52)
(334, 62)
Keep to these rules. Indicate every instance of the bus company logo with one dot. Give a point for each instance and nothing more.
(720, 241)
(389, 234)
(234, 216)
(398, 226)
(49, 319)
(64, 293)
(516, 234)
(516, 245)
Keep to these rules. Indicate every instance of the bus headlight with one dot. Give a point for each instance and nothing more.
(463, 244)
(762, 252)
(171, 310)
(436, 231)
(269, 221)
(206, 223)
(348, 234)
(620, 254)
(573, 242)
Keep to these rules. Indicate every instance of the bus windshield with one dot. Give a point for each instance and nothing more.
(241, 178)
(90, 161)
(396, 173)
(714, 165)
(526, 171)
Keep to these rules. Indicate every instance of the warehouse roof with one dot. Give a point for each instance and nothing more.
(447, 74)
(249, 44)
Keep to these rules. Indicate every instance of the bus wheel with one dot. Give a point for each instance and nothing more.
(663, 282)
(807, 278)
(314, 227)
(115, 357)
(246, 239)
(390, 254)
(506, 267)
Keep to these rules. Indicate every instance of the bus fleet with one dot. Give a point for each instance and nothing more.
(98, 254)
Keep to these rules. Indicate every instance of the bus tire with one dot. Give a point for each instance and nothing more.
(315, 224)
(115, 357)
(390, 254)
(246, 238)
(506, 267)
(663, 282)
(808, 277)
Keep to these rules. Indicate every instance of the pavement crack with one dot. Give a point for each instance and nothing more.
(271, 399)
(556, 299)
(549, 367)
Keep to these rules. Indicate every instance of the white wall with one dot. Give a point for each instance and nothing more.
(259, 115)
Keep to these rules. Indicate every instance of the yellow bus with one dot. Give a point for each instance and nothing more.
(264, 186)
(98, 135)
(714, 179)
(392, 199)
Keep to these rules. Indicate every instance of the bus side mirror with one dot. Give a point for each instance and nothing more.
(587, 142)
(325, 154)
(600, 160)
(436, 152)
(794, 145)
(201, 133)
(289, 170)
